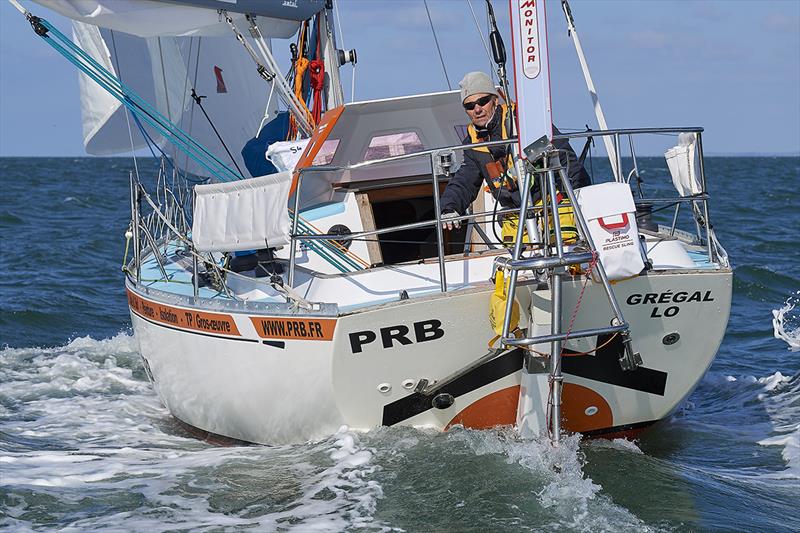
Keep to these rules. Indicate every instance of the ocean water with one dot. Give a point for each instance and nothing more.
(85, 444)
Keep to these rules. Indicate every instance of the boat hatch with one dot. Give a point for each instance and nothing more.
(392, 193)
(396, 203)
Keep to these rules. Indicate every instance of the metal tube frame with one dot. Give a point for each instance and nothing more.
(711, 251)
(525, 195)
(439, 233)
(137, 251)
(631, 359)
(295, 220)
(551, 197)
(618, 158)
(541, 339)
(545, 214)
(674, 220)
(556, 378)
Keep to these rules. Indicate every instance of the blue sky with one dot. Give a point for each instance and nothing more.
(731, 66)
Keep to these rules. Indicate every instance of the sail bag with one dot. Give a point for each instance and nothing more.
(241, 215)
(610, 214)
(684, 165)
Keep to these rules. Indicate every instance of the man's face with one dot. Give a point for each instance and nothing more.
(480, 114)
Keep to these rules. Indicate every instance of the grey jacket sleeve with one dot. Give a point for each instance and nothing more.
(463, 187)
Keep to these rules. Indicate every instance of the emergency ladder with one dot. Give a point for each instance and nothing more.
(553, 262)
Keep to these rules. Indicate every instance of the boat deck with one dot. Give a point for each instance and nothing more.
(373, 286)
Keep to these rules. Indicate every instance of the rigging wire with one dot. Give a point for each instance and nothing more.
(166, 90)
(341, 37)
(186, 87)
(436, 40)
(127, 117)
(198, 100)
(194, 84)
(480, 34)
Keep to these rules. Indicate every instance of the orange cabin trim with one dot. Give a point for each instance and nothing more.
(317, 139)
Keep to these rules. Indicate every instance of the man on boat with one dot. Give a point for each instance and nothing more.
(493, 166)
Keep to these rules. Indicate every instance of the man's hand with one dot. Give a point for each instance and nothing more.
(448, 223)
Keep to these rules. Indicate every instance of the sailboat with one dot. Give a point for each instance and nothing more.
(319, 289)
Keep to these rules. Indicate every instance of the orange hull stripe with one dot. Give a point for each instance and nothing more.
(295, 328)
(215, 323)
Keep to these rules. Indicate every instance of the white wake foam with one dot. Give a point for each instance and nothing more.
(782, 401)
(786, 323)
(88, 435)
(780, 397)
(574, 498)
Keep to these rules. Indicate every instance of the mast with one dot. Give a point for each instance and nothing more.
(598, 110)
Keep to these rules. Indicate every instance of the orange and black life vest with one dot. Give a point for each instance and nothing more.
(500, 173)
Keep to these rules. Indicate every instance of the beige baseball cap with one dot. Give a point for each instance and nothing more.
(476, 83)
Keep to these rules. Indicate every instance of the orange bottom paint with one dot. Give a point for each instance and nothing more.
(497, 409)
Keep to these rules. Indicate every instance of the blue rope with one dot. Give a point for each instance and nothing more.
(325, 248)
(150, 142)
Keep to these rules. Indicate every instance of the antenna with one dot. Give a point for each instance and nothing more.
(498, 49)
(598, 110)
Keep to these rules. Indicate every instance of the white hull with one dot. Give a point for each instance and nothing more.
(237, 374)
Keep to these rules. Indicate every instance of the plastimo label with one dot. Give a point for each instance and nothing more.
(300, 328)
(214, 323)
(529, 38)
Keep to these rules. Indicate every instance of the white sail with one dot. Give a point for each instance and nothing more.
(148, 18)
(164, 50)
(235, 96)
(163, 71)
(105, 126)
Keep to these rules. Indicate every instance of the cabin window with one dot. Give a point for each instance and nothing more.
(326, 153)
(461, 130)
(394, 144)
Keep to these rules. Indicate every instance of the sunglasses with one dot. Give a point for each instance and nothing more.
(482, 101)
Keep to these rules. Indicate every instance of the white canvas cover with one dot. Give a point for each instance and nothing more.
(684, 165)
(285, 154)
(610, 213)
(242, 215)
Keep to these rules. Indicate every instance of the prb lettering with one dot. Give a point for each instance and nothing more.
(400, 335)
